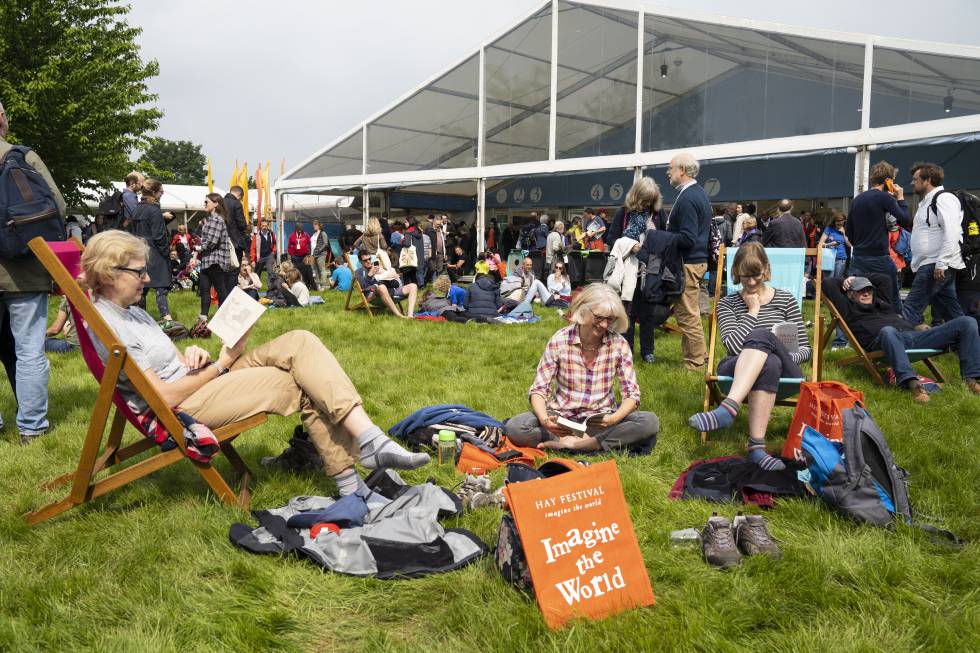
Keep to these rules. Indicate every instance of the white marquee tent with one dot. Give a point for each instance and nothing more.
(535, 101)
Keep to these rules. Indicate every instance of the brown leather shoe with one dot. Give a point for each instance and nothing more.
(919, 394)
(973, 385)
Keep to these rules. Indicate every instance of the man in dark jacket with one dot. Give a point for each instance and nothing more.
(690, 219)
(864, 304)
(867, 226)
(785, 230)
(237, 230)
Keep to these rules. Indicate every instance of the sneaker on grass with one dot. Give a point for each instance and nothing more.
(718, 543)
(753, 538)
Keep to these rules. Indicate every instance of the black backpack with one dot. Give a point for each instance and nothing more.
(111, 209)
(27, 205)
(970, 205)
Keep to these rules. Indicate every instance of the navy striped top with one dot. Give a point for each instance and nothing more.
(734, 321)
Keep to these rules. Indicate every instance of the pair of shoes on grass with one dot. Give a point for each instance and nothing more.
(475, 493)
(723, 542)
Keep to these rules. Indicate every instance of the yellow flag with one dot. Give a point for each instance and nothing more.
(210, 178)
(243, 182)
(234, 176)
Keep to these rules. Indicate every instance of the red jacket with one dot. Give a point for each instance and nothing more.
(299, 243)
(253, 251)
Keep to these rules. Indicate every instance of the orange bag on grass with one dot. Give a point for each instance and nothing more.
(819, 407)
(578, 539)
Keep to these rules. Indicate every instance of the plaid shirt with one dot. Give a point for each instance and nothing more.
(580, 391)
(214, 243)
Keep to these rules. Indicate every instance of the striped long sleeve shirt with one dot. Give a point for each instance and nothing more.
(735, 323)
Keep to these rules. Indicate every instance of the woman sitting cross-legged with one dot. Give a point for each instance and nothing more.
(575, 379)
(756, 359)
(293, 373)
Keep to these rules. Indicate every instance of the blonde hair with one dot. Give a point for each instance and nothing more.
(599, 298)
(373, 227)
(749, 222)
(107, 251)
(751, 261)
(442, 284)
(644, 195)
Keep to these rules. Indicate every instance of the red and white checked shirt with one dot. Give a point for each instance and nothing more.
(579, 390)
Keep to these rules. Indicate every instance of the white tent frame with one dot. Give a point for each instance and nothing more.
(859, 141)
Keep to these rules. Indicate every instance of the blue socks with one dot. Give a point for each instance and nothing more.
(720, 418)
(758, 455)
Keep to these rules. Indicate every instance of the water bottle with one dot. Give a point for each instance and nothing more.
(447, 448)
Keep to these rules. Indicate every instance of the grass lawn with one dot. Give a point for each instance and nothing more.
(150, 568)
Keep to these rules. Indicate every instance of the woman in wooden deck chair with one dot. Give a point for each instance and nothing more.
(292, 373)
(757, 357)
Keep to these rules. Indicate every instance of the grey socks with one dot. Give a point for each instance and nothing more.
(378, 450)
(348, 482)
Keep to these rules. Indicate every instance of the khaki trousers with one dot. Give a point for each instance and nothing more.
(687, 311)
(293, 373)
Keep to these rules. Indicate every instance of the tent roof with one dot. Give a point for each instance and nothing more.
(505, 110)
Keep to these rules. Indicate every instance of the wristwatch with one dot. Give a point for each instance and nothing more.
(221, 370)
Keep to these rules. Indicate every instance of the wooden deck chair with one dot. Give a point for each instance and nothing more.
(873, 360)
(61, 260)
(363, 302)
(788, 273)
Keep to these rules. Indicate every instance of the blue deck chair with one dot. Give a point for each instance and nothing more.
(788, 273)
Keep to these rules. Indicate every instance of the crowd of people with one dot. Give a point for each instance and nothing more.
(656, 266)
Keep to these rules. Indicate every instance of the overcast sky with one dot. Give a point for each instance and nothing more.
(253, 80)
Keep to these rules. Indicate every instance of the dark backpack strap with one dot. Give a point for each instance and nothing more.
(934, 206)
(938, 535)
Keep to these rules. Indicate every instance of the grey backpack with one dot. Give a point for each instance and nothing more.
(859, 477)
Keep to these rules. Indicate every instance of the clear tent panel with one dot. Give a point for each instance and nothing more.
(342, 159)
(517, 81)
(909, 86)
(434, 128)
(596, 93)
(708, 84)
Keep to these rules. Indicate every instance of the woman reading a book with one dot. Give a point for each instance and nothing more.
(293, 373)
(573, 400)
(766, 339)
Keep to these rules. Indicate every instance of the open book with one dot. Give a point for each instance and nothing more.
(593, 420)
(235, 317)
(788, 334)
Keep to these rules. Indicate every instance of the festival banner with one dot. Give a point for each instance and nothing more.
(580, 545)
(243, 182)
(210, 178)
(234, 176)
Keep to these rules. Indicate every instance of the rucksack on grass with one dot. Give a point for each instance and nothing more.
(859, 478)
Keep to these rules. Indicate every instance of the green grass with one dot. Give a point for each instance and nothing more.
(149, 567)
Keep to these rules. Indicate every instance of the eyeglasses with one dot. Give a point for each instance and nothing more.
(139, 272)
(599, 319)
(365, 261)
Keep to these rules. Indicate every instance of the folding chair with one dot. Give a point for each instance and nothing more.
(874, 359)
(788, 273)
(61, 260)
(364, 302)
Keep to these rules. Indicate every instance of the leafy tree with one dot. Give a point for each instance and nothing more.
(74, 87)
(179, 162)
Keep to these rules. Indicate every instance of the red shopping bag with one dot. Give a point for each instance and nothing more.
(580, 545)
(819, 407)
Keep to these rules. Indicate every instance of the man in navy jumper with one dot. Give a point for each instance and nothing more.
(867, 227)
(690, 219)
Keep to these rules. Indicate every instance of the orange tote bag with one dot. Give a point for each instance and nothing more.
(580, 545)
(819, 407)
